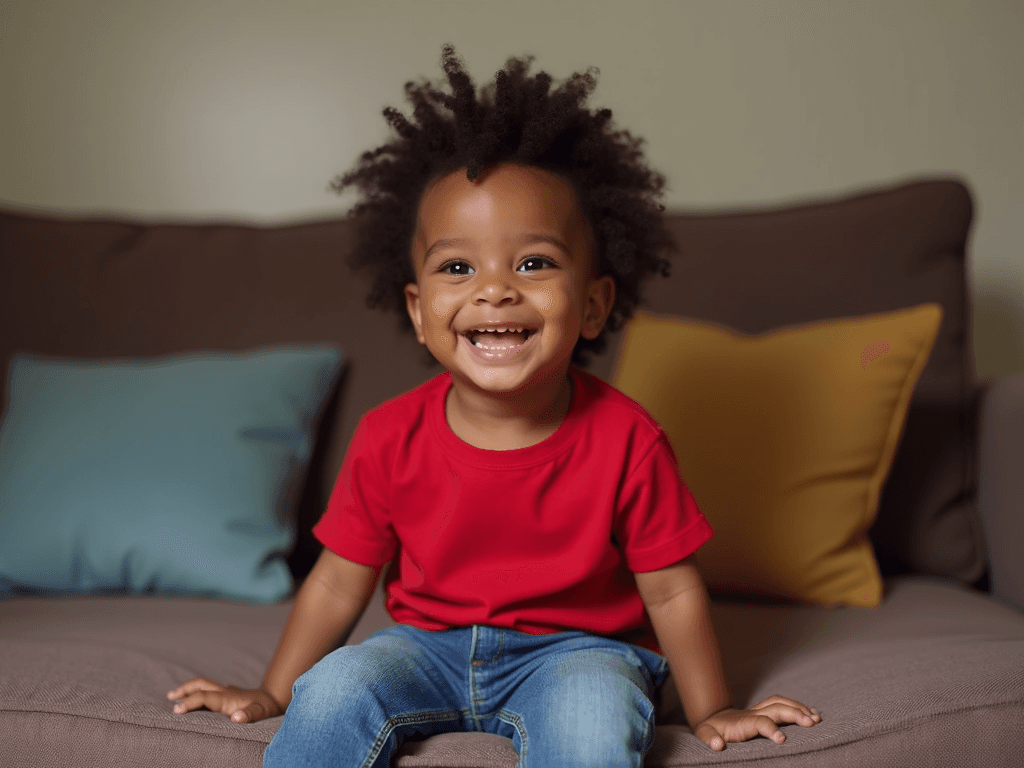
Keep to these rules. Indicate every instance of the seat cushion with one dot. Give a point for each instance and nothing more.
(935, 676)
(932, 677)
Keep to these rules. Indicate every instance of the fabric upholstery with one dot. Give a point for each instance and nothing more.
(785, 440)
(763, 268)
(109, 288)
(932, 677)
(941, 659)
(1001, 485)
(173, 474)
(116, 288)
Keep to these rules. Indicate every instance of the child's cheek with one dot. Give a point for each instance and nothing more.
(550, 299)
(442, 308)
(562, 303)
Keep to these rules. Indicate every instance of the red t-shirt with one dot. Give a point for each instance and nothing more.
(539, 539)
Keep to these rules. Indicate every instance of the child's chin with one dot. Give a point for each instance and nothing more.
(506, 380)
(499, 381)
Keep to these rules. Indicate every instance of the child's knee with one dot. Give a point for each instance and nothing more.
(341, 678)
(588, 736)
(586, 710)
(357, 676)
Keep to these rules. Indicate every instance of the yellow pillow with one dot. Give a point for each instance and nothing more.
(785, 439)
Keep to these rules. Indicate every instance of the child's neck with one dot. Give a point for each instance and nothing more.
(504, 423)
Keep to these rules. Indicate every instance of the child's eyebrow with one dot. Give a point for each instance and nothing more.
(527, 239)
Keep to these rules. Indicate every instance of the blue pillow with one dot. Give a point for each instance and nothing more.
(170, 475)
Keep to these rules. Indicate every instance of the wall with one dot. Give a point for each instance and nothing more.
(248, 108)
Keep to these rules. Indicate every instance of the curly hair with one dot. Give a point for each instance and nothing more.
(517, 119)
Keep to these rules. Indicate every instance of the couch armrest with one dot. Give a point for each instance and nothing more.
(1001, 484)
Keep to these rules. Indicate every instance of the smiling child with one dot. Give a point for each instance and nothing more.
(539, 534)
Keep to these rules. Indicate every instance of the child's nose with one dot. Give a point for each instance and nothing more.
(496, 288)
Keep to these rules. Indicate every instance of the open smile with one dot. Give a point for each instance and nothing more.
(499, 343)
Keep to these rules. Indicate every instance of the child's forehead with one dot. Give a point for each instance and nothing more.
(508, 202)
(503, 194)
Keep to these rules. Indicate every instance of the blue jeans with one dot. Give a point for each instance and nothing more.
(566, 699)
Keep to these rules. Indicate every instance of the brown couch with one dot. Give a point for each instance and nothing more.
(932, 677)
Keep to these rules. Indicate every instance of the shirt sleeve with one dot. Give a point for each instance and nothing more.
(356, 523)
(659, 522)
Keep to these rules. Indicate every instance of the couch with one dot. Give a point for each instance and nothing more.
(933, 675)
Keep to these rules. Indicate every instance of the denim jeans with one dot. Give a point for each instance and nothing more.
(565, 699)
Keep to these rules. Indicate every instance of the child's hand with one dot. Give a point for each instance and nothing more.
(760, 720)
(244, 705)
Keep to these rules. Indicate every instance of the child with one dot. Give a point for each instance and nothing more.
(539, 534)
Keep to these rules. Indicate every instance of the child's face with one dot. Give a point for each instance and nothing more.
(481, 263)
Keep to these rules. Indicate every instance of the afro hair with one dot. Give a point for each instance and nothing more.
(517, 119)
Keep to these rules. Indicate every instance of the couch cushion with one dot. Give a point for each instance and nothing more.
(785, 440)
(110, 288)
(199, 460)
(102, 287)
(934, 676)
(83, 680)
(1001, 484)
(786, 265)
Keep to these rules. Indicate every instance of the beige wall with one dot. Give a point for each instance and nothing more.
(247, 108)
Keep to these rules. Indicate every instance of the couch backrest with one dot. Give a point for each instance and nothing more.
(107, 288)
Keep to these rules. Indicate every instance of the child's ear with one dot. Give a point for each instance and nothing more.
(412, 306)
(600, 298)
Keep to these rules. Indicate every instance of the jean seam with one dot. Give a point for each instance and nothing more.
(395, 722)
(472, 679)
(511, 718)
(647, 734)
(501, 645)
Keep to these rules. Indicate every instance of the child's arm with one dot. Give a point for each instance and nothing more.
(326, 609)
(678, 604)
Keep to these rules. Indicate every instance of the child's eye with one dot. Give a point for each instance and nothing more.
(536, 262)
(456, 268)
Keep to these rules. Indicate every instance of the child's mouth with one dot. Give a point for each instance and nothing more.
(499, 339)
(500, 344)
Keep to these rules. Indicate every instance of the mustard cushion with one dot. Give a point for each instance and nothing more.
(785, 439)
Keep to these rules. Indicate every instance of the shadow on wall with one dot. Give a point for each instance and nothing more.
(998, 333)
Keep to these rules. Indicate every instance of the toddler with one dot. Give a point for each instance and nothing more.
(539, 534)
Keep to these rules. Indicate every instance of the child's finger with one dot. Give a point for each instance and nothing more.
(209, 699)
(710, 736)
(250, 713)
(783, 713)
(768, 728)
(187, 704)
(196, 684)
(776, 699)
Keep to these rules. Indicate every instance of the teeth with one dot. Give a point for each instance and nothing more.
(475, 334)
